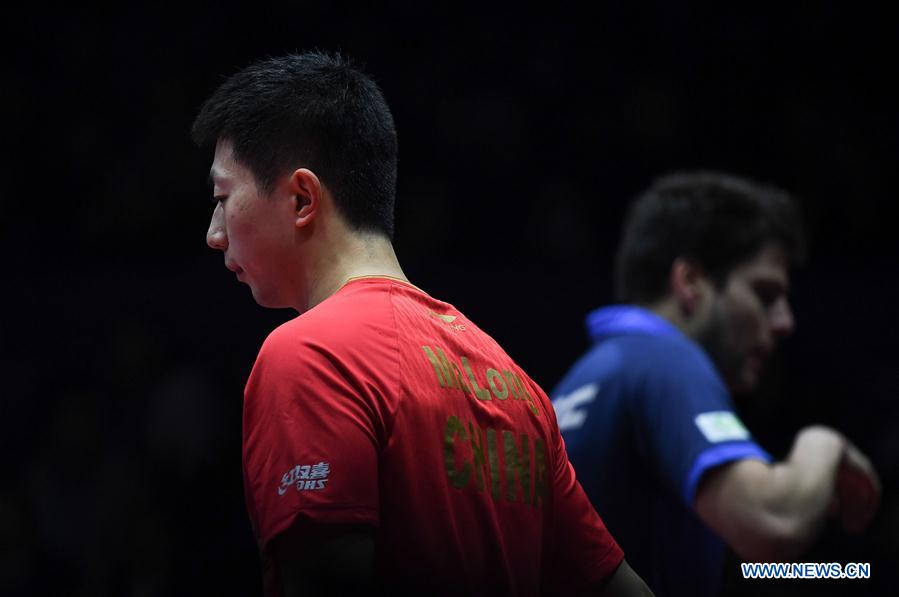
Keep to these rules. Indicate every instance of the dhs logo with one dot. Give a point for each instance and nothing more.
(305, 477)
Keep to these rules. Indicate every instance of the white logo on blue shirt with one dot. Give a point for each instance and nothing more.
(568, 407)
(720, 426)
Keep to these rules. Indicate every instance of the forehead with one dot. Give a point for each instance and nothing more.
(225, 169)
(770, 264)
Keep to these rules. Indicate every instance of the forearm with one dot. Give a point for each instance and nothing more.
(773, 512)
(799, 491)
(624, 583)
(324, 561)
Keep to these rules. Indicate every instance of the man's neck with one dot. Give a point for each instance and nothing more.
(669, 310)
(357, 254)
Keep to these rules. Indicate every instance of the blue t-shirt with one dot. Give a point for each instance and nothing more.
(644, 415)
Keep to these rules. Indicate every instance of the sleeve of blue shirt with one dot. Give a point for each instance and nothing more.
(683, 414)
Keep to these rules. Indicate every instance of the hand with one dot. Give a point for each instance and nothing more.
(857, 489)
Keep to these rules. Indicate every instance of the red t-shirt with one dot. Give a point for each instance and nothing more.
(385, 407)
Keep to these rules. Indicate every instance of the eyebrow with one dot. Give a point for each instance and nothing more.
(774, 282)
(216, 175)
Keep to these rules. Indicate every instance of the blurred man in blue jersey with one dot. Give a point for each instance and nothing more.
(647, 413)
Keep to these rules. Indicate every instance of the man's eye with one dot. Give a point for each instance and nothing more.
(767, 296)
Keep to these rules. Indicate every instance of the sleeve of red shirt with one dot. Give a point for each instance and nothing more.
(310, 439)
(585, 553)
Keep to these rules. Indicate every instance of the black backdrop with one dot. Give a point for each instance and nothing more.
(523, 134)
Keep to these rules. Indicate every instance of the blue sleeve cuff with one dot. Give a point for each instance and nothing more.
(716, 456)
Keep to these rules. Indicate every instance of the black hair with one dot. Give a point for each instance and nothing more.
(315, 110)
(716, 219)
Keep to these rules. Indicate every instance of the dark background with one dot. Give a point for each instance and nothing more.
(523, 134)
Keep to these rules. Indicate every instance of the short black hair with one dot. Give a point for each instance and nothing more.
(716, 219)
(316, 110)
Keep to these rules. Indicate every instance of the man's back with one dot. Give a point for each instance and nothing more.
(386, 408)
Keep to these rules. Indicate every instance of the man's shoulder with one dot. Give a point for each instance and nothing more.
(640, 361)
(652, 354)
(639, 352)
(345, 319)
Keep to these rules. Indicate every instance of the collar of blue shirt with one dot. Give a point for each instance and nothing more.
(618, 320)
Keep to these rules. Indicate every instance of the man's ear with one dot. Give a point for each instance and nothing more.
(689, 285)
(307, 191)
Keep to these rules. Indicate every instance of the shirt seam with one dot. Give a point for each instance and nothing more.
(398, 367)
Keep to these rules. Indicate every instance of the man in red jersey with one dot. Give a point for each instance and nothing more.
(389, 444)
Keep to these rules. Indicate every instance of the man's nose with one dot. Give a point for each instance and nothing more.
(782, 320)
(215, 236)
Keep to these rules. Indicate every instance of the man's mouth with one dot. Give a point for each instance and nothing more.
(238, 271)
(758, 358)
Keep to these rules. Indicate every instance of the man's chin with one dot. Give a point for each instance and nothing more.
(272, 304)
(745, 383)
(262, 299)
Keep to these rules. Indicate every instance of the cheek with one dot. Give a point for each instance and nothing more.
(748, 319)
(238, 225)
